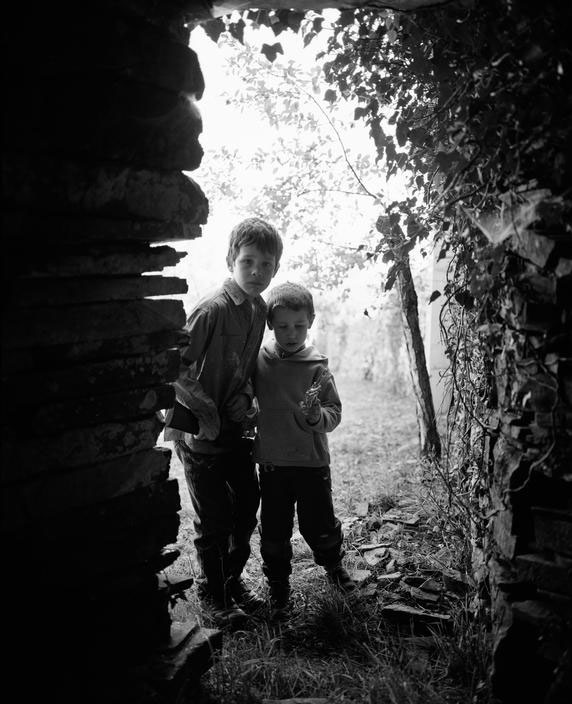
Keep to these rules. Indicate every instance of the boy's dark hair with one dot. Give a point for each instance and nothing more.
(292, 296)
(254, 231)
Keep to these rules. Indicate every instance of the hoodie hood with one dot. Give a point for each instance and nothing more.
(269, 351)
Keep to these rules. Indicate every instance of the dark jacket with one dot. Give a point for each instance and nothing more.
(225, 330)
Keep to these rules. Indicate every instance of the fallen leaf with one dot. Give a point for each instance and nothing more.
(374, 557)
(360, 576)
(368, 590)
(431, 585)
(391, 577)
(373, 546)
(423, 595)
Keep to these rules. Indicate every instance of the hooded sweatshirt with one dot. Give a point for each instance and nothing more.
(284, 437)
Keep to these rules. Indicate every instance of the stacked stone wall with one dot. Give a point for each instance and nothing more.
(100, 122)
(530, 567)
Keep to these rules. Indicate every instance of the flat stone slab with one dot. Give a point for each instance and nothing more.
(403, 614)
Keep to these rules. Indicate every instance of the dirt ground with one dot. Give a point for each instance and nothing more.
(408, 635)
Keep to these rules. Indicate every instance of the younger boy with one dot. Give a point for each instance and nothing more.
(225, 332)
(299, 404)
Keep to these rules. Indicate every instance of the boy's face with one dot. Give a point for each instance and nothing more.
(290, 327)
(253, 269)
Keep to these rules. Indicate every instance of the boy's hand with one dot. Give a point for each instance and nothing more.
(237, 407)
(312, 412)
(311, 406)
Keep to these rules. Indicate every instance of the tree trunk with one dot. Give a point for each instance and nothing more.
(428, 434)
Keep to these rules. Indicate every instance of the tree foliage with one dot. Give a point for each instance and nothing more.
(472, 100)
(301, 176)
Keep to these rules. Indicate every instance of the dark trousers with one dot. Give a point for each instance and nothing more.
(309, 489)
(225, 497)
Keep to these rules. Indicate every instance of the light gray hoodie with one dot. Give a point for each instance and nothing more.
(284, 435)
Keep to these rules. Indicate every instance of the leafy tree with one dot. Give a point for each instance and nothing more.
(473, 102)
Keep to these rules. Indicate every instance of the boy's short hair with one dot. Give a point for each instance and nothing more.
(258, 232)
(292, 296)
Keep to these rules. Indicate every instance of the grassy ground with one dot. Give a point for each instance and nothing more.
(348, 649)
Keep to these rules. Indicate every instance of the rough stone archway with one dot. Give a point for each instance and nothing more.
(100, 121)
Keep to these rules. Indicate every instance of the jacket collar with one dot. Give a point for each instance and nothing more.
(308, 354)
(236, 294)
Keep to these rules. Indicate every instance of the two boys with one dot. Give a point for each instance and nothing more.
(215, 384)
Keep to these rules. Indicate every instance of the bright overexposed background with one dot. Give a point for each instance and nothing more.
(235, 127)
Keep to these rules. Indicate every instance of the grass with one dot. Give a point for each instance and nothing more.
(343, 648)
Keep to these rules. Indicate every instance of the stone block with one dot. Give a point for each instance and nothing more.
(502, 533)
(43, 182)
(43, 327)
(553, 529)
(99, 260)
(535, 248)
(536, 613)
(188, 655)
(126, 39)
(50, 360)
(84, 380)
(23, 227)
(77, 544)
(40, 291)
(542, 288)
(565, 379)
(538, 317)
(122, 121)
(545, 574)
(538, 390)
(559, 419)
(508, 461)
(563, 268)
(48, 495)
(73, 448)
(561, 604)
(126, 405)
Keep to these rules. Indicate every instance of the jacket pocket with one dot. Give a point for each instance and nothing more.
(280, 437)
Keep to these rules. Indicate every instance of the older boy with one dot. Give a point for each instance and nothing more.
(225, 331)
(299, 404)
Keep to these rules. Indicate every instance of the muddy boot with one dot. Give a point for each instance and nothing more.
(222, 611)
(279, 598)
(244, 597)
(339, 577)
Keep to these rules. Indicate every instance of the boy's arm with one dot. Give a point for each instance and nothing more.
(187, 387)
(239, 404)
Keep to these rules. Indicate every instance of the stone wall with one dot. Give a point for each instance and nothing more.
(100, 122)
(531, 494)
